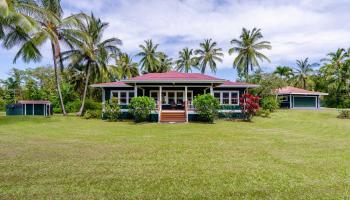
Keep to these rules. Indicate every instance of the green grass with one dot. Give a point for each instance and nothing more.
(293, 155)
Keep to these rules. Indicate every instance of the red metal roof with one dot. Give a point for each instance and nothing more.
(111, 84)
(34, 102)
(294, 90)
(172, 75)
(238, 84)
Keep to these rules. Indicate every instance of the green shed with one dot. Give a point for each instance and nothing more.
(30, 107)
(297, 98)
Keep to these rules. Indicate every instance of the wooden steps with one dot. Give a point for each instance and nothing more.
(173, 116)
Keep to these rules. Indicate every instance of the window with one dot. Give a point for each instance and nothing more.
(227, 97)
(124, 97)
(179, 98)
(283, 98)
(171, 98)
(217, 96)
(189, 98)
(131, 95)
(154, 95)
(234, 98)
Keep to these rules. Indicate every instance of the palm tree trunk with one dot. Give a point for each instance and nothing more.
(57, 78)
(85, 91)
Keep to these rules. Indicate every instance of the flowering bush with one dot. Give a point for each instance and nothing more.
(141, 108)
(249, 105)
(112, 110)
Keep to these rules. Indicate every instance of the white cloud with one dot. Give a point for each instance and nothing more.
(296, 28)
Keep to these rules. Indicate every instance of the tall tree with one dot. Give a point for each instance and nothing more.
(302, 71)
(283, 71)
(248, 47)
(186, 61)
(126, 68)
(91, 53)
(165, 63)
(51, 26)
(149, 57)
(337, 71)
(208, 54)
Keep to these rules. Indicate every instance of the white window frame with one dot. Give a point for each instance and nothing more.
(230, 92)
(175, 95)
(127, 95)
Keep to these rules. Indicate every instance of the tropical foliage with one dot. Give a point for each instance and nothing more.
(248, 47)
(141, 108)
(249, 105)
(208, 55)
(207, 107)
(186, 61)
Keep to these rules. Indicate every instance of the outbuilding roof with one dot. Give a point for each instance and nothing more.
(34, 102)
(294, 90)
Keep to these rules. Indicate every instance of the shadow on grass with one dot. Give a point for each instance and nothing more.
(5, 120)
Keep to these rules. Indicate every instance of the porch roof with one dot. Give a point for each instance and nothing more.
(34, 102)
(294, 90)
(175, 77)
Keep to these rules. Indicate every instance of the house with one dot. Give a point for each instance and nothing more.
(174, 93)
(297, 98)
(30, 107)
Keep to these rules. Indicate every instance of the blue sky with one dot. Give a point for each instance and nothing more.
(296, 28)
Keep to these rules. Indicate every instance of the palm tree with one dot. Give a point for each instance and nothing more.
(248, 47)
(208, 54)
(149, 57)
(302, 71)
(15, 18)
(165, 63)
(126, 68)
(91, 51)
(186, 61)
(283, 71)
(337, 69)
(50, 27)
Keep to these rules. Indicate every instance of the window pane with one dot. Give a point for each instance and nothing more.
(171, 98)
(163, 97)
(180, 98)
(115, 94)
(225, 95)
(234, 101)
(122, 99)
(189, 98)
(131, 95)
(225, 101)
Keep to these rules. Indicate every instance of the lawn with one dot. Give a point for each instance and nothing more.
(292, 155)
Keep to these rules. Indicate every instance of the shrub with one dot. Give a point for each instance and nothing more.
(270, 103)
(57, 110)
(73, 106)
(249, 105)
(141, 108)
(92, 114)
(112, 110)
(344, 114)
(2, 105)
(263, 113)
(207, 107)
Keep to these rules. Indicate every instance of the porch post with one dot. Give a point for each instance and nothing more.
(211, 90)
(33, 109)
(186, 103)
(160, 103)
(290, 101)
(44, 109)
(25, 109)
(135, 90)
(103, 100)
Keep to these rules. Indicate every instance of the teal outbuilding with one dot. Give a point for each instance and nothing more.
(30, 107)
(297, 98)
